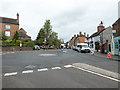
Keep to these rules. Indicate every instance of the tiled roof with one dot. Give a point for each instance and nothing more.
(96, 33)
(23, 35)
(9, 20)
(117, 22)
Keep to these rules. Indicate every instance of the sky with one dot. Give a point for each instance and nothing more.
(68, 17)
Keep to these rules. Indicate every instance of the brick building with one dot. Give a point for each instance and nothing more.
(80, 38)
(9, 26)
(23, 35)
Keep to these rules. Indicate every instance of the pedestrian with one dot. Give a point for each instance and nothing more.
(20, 46)
(62, 48)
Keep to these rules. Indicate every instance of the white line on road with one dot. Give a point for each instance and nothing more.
(10, 74)
(47, 55)
(44, 69)
(68, 66)
(28, 71)
(97, 74)
(54, 68)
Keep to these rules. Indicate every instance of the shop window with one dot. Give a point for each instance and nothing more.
(119, 45)
(116, 45)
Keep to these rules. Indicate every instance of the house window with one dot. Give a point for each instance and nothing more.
(7, 26)
(7, 33)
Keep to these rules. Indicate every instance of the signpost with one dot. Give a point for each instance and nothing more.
(109, 55)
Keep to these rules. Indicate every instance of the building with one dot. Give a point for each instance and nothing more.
(115, 45)
(105, 39)
(23, 35)
(80, 38)
(72, 42)
(9, 26)
(94, 39)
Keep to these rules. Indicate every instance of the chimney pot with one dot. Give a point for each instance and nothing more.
(80, 33)
(84, 34)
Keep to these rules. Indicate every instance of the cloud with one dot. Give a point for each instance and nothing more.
(68, 17)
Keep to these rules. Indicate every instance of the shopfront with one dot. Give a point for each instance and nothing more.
(116, 45)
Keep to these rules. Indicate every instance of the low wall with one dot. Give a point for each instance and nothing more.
(16, 48)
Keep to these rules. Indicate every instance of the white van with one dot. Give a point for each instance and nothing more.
(83, 47)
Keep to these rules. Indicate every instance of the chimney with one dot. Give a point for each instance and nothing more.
(74, 35)
(80, 33)
(100, 27)
(87, 35)
(18, 17)
(84, 34)
(77, 35)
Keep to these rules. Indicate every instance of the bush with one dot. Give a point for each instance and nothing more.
(28, 44)
(11, 43)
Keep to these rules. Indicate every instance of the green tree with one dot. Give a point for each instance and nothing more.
(41, 36)
(16, 36)
(3, 38)
(48, 31)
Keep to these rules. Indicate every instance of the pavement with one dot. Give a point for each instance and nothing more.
(113, 57)
(56, 69)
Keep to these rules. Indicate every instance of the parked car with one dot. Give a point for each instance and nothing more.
(41, 47)
(36, 47)
(83, 48)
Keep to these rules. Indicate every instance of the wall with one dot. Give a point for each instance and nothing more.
(13, 29)
(16, 48)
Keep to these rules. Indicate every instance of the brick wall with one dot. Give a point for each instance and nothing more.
(13, 29)
(16, 48)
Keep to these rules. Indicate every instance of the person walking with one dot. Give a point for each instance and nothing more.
(20, 46)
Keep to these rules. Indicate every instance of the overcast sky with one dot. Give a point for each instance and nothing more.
(68, 17)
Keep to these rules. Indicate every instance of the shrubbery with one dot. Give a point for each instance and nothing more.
(17, 43)
(27, 44)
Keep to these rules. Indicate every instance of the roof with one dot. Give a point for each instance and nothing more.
(21, 34)
(97, 33)
(9, 20)
(117, 22)
(21, 29)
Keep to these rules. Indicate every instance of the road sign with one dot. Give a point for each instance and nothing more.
(109, 55)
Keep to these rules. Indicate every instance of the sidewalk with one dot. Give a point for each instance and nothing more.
(98, 54)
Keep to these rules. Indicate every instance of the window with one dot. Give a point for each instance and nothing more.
(7, 33)
(7, 26)
(119, 45)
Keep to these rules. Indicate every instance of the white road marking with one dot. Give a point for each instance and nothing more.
(54, 68)
(97, 74)
(47, 55)
(68, 66)
(64, 51)
(44, 69)
(28, 71)
(10, 74)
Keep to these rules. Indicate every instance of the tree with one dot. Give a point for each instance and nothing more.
(48, 31)
(16, 36)
(47, 34)
(3, 36)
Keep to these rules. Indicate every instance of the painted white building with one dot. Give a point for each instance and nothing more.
(119, 9)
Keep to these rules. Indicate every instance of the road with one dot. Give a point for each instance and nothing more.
(47, 70)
